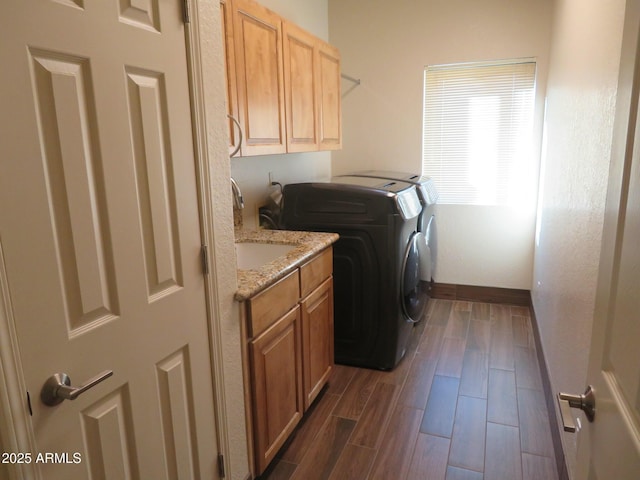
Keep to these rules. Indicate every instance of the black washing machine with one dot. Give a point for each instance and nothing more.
(376, 279)
(428, 195)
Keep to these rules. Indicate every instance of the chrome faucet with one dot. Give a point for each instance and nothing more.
(237, 195)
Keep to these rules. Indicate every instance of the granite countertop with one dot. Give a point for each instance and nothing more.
(307, 245)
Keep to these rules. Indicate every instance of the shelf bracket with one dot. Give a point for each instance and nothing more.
(351, 79)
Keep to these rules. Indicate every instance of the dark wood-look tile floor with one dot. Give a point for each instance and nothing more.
(465, 403)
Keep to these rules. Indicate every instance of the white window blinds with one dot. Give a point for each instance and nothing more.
(478, 121)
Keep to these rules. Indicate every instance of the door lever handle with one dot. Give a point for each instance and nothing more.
(585, 402)
(58, 387)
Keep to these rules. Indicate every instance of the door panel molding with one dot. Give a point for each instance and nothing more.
(174, 379)
(149, 120)
(107, 426)
(133, 14)
(67, 120)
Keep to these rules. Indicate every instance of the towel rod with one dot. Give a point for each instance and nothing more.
(347, 77)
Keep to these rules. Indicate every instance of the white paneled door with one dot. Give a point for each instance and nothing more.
(100, 237)
(610, 446)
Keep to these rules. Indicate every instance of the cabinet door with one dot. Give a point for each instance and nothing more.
(259, 71)
(226, 17)
(330, 101)
(277, 386)
(317, 339)
(300, 75)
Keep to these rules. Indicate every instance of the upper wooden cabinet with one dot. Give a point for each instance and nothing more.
(283, 83)
(330, 113)
(301, 89)
(226, 16)
(259, 78)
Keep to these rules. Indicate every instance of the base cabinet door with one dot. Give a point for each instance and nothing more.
(317, 339)
(277, 385)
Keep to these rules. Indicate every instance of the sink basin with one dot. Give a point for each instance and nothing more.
(254, 255)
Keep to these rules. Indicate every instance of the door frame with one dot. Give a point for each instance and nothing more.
(16, 433)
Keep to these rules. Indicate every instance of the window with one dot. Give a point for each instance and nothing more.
(478, 122)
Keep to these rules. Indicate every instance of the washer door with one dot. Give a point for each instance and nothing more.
(413, 298)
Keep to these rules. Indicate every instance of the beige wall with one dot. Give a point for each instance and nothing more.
(225, 309)
(581, 94)
(387, 45)
(252, 173)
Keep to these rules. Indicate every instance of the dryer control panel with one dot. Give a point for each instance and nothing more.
(408, 204)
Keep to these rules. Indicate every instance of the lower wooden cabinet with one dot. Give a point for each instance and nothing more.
(276, 378)
(317, 340)
(290, 352)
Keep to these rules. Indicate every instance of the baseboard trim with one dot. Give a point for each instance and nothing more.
(472, 293)
(549, 395)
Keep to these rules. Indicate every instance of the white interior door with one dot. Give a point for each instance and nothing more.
(100, 234)
(610, 446)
